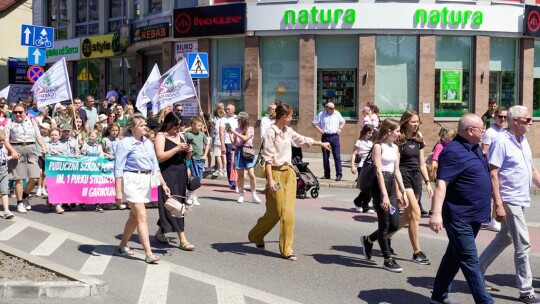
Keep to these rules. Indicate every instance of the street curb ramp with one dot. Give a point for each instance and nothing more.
(82, 286)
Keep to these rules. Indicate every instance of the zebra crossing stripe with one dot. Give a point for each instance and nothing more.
(229, 295)
(156, 284)
(13, 230)
(50, 244)
(98, 261)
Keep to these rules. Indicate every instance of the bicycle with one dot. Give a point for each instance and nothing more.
(43, 40)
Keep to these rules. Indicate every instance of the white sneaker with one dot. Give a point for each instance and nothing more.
(38, 193)
(21, 208)
(236, 189)
(255, 198)
(358, 209)
(494, 225)
(189, 201)
(216, 173)
(196, 201)
(240, 199)
(44, 192)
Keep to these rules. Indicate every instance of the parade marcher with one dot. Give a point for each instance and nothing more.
(172, 151)
(268, 119)
(91, 112)
(281, 182)
(92, 147)
(44, 129)
(22, 133)
(121, 118)
(412, 166)
(104, 108)
(156, 120)
(489, 116)
(228, 121)
(362, 147)
(512, 173)
(77, 102)
(129, 110)
(4, 187)
(200, 147)
(109, 142)
(243, 137)
(134, 165)
(112, 93)
(329, 124)
(4, 119)
(385, 155)
(461, 204)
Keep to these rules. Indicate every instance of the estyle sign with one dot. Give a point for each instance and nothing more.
(210, 20)
(98, 46)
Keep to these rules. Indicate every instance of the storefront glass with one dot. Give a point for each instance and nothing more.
(122, 74)
(87, 78)
(536, 80)
(337, 66)
(279, 62)
(452, 76)
(87, 18)
(396, 70)
(227, 67)
(503, 71)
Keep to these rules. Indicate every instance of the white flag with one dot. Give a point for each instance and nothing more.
(53, 86)
(142, 98)
(171, 87)
(5, 92)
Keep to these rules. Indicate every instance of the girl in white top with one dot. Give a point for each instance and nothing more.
(386, 159)
(362, 147)
(216, 144)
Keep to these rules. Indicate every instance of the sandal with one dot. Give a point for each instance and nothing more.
(125, 250)
(260, 247)
(186, 246)
(152, 259)
(291, 257)
(160, 237)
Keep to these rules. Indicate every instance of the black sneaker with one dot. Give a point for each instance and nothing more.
(366, 247)
(529, 299)
(98, 208)
(420, 258)
(423, 212)
(392, 265)
(392, 252)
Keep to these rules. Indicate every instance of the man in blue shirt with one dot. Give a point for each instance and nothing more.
(512, 173)
(462, 202)
(329, 123)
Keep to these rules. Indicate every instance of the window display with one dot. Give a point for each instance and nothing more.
(338, 86)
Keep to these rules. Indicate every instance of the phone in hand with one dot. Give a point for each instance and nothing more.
(277, 186)
(227, 126)
(189, 141)
(392, 209)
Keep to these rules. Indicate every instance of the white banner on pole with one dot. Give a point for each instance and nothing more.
(53, 86)
(142, 97)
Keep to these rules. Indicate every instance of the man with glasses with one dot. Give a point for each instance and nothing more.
(179, 108)
(329, 123)
(461, 204)
(228, 121)
(512, 173)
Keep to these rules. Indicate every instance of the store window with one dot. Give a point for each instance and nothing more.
(396, 70)
(87, 78)
(117, 14)
(228, 66)
(136, 9)
(57, 18)
(337, 67)
(154, 6)
(122, 74)
(453, 76)
(87, 18)
(503, 71)
(279, 61)
(536, 80)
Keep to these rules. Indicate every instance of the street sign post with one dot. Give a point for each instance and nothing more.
(34, 72)
(198, 65)
(36, 56)
(37, 36)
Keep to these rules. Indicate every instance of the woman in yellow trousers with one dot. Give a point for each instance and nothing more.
(281, 182)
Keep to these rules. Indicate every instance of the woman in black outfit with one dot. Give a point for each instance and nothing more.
(172, 152)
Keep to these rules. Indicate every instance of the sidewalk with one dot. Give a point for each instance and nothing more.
(349, 179)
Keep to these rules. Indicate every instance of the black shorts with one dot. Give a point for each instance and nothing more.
(412, 180)
(41, 163)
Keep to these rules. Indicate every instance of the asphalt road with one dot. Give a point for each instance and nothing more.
(225, 268)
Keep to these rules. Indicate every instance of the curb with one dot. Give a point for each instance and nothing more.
(85, 286)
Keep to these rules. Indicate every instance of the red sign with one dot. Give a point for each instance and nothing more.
(531, 21)
(227, 19)
(34, 72)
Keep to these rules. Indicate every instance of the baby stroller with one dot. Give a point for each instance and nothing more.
(305, 179)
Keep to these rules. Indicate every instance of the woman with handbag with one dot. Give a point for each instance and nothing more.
(172, 152)
(363, 145)
(281, 182)
(385, 155)
(244, 158)
(135, 170)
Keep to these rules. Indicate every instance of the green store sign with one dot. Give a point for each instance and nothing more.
(317, 15)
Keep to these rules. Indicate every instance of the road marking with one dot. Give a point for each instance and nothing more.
(229, 295)
(13, 230)
(156, 284)
(96, 264)
(50, 244)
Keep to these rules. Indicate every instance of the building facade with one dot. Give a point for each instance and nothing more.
(442, 59)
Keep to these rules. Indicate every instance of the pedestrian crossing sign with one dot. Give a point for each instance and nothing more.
(198, 65)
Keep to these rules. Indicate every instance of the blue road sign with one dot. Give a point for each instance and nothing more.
(38, 36)
(198, 65)
(36, 56)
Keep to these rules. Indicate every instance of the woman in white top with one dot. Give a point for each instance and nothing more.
(281, 182)
(385, 156)
(363, 145)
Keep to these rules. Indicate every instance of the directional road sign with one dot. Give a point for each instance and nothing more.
(198, 65)
(38, 36)
(36, 56)
(34, 72)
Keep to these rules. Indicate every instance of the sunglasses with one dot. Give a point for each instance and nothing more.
(501, 116)
(330, 108)
(525, 121)
(18, 112)
(179, 110)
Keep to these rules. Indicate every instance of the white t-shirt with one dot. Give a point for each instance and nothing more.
(490, 134)
(388, 157)
(362, 148)
(215, 131)
(234, 124)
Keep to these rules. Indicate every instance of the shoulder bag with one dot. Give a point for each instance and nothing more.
(366, 180)
(260, 164)
(248, 153)
(176, 208)
(193, 183)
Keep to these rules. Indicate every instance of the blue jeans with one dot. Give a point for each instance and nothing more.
(461, 253)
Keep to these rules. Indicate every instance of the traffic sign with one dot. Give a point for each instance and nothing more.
(36, 56)
(34, 72)
(198, 65)
(38, 36)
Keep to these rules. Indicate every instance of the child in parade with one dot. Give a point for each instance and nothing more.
(4, 188)
(109, 143)
(198, 140)
(71, 150)
(55, 147)
(92, 147)
(44, 129)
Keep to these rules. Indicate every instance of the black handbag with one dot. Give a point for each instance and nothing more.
(248, 153)
(193, 183)
(366, 180)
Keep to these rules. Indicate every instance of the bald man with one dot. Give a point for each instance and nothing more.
(329, 124)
